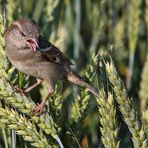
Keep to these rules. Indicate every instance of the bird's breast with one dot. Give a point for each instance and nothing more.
(21, 66)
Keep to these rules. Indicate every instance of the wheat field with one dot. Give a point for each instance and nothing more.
(107, 42)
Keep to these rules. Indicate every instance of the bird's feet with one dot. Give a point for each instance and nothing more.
(19, 90)
(39, 108)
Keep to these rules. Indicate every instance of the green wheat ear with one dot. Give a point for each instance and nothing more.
(80, 104)
(51, 5)
(144, 89)
(11, 8)
(133, 30)
(144, 96)
(126, 107)
(11, 119)
(107, 111)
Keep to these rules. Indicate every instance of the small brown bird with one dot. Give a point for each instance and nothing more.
(32, 54)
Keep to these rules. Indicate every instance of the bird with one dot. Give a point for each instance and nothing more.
(31, 53)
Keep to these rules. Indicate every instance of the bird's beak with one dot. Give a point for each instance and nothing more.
(33, 43)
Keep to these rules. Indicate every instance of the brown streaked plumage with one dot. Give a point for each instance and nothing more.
(32, 54)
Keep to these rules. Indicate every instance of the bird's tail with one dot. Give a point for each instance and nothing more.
(76, 79)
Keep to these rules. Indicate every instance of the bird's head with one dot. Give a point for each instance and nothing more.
(23, 34)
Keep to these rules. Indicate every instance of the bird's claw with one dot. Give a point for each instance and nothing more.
(19, 90)
(39, 109)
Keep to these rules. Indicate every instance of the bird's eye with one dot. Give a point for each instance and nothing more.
(22, 33)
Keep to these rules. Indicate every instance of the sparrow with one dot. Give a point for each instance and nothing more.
(31, 53)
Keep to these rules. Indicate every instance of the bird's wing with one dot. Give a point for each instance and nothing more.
(51, 53)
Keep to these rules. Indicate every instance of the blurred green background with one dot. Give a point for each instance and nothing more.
(81, 29)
